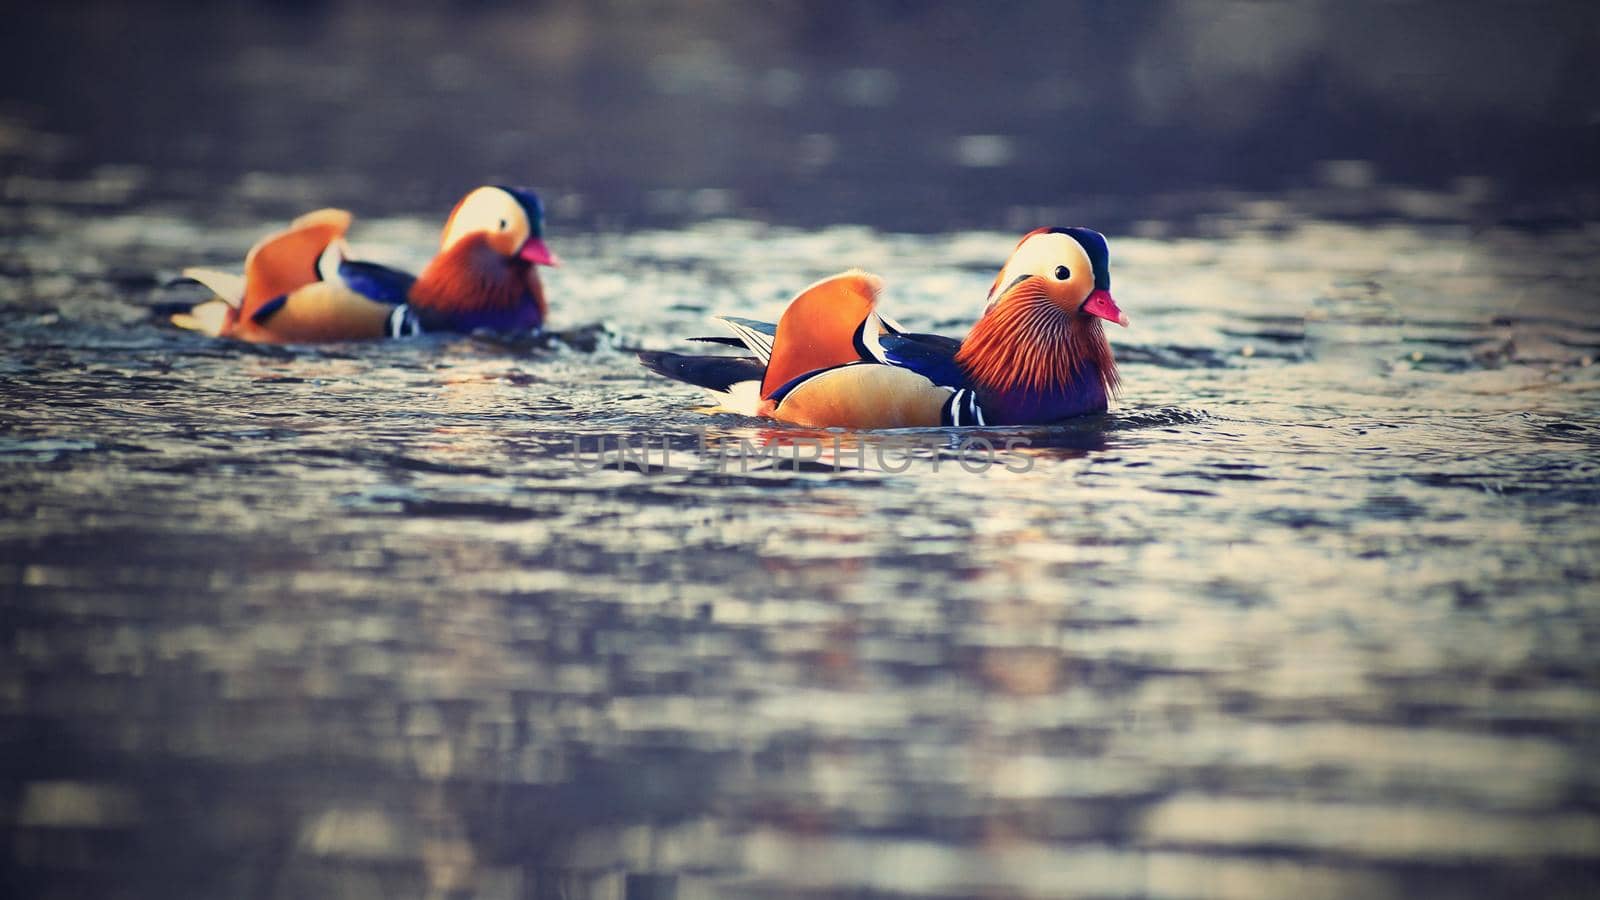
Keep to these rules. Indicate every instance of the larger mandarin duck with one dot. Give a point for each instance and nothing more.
(300, 286)
(1038, 354)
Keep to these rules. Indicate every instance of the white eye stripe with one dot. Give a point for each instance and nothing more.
(484, 210)
(1041, 255)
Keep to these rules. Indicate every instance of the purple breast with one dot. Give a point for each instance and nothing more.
(522, 317)
(1083, 396)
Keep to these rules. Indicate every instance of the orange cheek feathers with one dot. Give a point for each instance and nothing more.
(504, 243)
(1068, 295)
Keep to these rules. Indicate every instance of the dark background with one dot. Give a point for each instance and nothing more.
(916, 116)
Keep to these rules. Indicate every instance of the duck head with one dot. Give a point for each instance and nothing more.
(1040, 345)
(509, 220)
(485, 275)
(1070, 266)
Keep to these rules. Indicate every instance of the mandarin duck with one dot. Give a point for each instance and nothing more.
(300, 286)
(1037, 354)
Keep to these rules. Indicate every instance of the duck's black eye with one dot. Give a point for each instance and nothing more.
(502, 224)
(1063, 273)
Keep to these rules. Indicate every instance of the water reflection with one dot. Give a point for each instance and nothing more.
(1305, 614)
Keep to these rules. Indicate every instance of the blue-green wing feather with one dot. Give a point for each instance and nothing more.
(376, 282)
(933, 356)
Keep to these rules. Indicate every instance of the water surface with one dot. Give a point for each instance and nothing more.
(1311, 612)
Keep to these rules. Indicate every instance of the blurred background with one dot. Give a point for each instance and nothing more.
(914, 116)
(1311, 613)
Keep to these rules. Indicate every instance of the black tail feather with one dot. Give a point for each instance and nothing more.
(716, 373)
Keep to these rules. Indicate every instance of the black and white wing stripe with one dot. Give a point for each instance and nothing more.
(963, 409)
(332, 257)
(403, 322)
(869, 337)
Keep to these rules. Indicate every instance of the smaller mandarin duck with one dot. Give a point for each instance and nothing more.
(300, 286)
(1038, 354)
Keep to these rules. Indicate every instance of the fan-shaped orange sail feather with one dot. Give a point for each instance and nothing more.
(818, 329)
(283, 262)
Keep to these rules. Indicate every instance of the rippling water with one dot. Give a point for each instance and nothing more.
(1310, 611)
